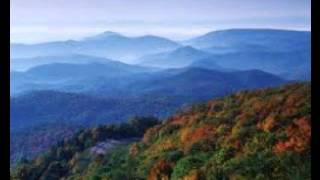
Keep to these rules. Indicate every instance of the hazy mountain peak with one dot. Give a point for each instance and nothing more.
(110, 33)
(180, 57)
(70, 41)
(254, 30)
(188, 51)
(148, 36)
(182, 49)
(156, 39)
(104, 35)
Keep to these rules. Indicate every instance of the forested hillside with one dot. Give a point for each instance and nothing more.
(261, 134)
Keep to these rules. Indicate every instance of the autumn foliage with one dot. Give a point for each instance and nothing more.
(261, 134)
(298, 137)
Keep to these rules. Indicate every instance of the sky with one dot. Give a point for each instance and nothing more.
(34, 21)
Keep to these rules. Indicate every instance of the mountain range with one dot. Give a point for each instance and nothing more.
(108, 78)
(113, 78)
(253, 39)
(292, 65)
(177, 58)
(158, 94)
(108, 45)
(24, 64)
(282, 52)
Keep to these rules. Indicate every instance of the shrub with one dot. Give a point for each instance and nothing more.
(188, 163)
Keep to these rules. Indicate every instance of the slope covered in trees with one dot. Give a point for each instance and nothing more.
(39, 107)
(262, 134)
(68, 148)
(27, 143)
(157, 95)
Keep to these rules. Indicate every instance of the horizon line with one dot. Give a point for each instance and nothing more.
(161, 36)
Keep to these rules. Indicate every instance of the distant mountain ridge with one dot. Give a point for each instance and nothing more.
(270, 38)
(159, 95)
(115, 78)
(102, 36)
(57, 75)
(180, 57)
(108, 44)
(292, 65)
(194, 82)
(283, 52)
(23, 64)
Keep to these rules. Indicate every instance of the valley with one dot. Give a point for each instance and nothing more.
(111, 106)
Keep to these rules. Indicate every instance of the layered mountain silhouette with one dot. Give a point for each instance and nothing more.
(291, 65)
(109, 45)
(109, 77)
(73, 75)
(268, 39)
(23, 64)
(177, 58)
(115, 78)
(158, 93)
(282, 52)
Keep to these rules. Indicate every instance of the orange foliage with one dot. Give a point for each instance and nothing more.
(304, 126)
(134, 150)
(258, 105)
(299, 135)
(267, 124)
(292, 103)
(193, 175)
(214, 108)
(167, 144)
(176, 120)
(245, 116)
(274, 102)
(194, 119)
(150, 134)
(161, 170)
(202, 132)
(184, 134)
(163, 145)
(189, 137)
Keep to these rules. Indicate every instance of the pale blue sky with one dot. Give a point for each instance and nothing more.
(47, 20)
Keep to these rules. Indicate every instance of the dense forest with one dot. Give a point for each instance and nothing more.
(29, 142)
(261, 134)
